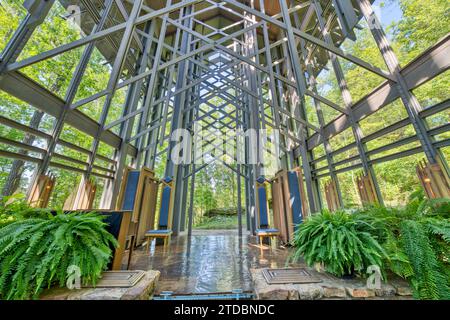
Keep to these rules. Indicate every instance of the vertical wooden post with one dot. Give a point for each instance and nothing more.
(41, 191)
(367, 190)
(279, 212)
(83, 197)
(434, 179)
(303, 195)
(331, 195)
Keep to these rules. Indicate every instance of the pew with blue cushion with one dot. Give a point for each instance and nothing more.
(263, 230)
(289, 202)
(267, 233)
(158, 234)
(164, 231)
(138, 193)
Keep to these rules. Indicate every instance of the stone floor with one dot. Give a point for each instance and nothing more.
(216, 261)
(220, 261)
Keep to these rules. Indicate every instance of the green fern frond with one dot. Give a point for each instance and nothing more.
(430, 282)
(340, 241)
(35, 253)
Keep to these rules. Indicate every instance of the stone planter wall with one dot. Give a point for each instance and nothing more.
(331, 288)
(143, 290)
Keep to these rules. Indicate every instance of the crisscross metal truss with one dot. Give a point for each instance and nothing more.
(226, 65)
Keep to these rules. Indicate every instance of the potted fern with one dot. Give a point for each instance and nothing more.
(339, 241)
(36, 251)
(417, 241)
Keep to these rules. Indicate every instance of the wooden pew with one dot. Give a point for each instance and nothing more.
(289, 202)
(138, 193)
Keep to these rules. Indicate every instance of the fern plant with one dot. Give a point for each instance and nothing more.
(341, 241)
(417, 241)
(429, 280)
(35, 253)
(15, 207)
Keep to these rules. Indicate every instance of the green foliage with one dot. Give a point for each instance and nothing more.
(15, 208)
(222, 212)
(410, 34)
(54, 74)
(218, 223)
(412, 242)
(416, 240)
(429, 282)
(36, 252)
(417, 31)
(341, 241)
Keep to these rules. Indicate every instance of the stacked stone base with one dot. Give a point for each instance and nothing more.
(143, 290)
(331, 288)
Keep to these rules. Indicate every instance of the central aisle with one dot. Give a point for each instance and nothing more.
(215, 261)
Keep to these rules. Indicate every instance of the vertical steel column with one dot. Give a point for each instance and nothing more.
(190, 98)
(409, 100)
(112, 188)
(240, 116)
(272, 86)
(348, 101)
(37, 12)
(301, 89)
(255, 117)
(177, 123)
(150, 96)
(166, 105)
(191, 201)
(288, 157)
(151, 143)
(114, 78)
(254, 123)
(195, 114)
(250, 168)
(249, 187)
(239, 198)
(237, 146)
(258, 84)
(161, 114)
(291, 124)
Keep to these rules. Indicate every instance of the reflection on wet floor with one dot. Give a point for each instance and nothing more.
(209, 262)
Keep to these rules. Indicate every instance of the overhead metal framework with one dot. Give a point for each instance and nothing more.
(226, 65)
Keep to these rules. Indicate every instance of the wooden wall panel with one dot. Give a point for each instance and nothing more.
(82, 198)
(434, 180)
(332, 196)
(366, 190)
(41, 191)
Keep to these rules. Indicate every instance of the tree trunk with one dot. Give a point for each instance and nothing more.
(18, 167)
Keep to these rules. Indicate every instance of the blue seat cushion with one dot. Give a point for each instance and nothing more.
(158, 232)
(267, 231)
